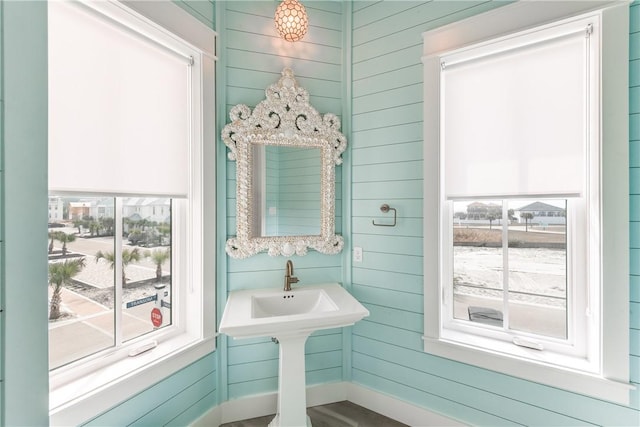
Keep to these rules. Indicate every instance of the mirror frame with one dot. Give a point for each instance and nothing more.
(284, 118)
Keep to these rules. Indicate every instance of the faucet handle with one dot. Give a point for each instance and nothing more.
(289, 278)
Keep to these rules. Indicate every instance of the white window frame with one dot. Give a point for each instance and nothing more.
(608, 376)
(84, 389)
(583, 208)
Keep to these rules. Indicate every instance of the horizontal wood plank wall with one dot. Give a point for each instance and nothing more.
(203, 10)
(2, 222)
(387, 166)
(255, 56)
(177, 400)
(634, 184)
(23, 189)
(183, 396)
(298, 192)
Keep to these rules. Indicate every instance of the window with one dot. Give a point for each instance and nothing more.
(129, 294)
(508, 275)
(525, 225)
(519, 283)
(99, 308)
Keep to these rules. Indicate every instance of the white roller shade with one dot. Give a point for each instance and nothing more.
(514, 120)
(119, 108)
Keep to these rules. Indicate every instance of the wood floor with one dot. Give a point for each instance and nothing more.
(340, 414)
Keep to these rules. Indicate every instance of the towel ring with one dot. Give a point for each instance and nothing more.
(386, 208)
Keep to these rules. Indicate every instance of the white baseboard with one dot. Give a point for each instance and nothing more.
(265, 404)
(397, 409)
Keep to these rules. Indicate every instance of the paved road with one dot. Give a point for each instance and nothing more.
(92, 328)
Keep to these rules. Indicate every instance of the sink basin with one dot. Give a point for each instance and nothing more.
(274, 312)
(290, 303)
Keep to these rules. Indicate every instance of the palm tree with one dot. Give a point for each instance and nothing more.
(107, 223)
(527, 216)
(128, 256)
(94, 228)
(64, 238)
(61, 273)
(491, 218)
(165, 230)
(52, 236)
(159, 257)
(78, 223)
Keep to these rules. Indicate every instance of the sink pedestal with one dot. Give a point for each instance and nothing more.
(290, 317)
(292, 396)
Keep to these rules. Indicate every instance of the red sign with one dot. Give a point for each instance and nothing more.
(156, 317)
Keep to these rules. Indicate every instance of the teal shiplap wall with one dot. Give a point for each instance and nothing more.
(634, 199)
(297, 192)
(2, 340)
(387, 167)
(203, 10)
(251, 58)
(176, 401)
(23, 214)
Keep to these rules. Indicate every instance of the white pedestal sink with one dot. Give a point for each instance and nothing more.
(290, 317)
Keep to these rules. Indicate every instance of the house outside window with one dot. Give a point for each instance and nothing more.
(542, 213)
(525, 263)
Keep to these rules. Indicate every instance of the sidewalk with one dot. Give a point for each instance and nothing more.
(91, 328)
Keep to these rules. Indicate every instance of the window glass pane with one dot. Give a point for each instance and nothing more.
(146, 258)
(477, 261)
(533, 297)
(538, 267)
(81, 279)
(83, 286)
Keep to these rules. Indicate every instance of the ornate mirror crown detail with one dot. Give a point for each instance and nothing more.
(284, 119)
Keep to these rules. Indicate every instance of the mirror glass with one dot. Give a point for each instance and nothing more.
(286, 191)
(286, 153)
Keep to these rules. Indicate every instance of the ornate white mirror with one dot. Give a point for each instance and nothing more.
(286, 153)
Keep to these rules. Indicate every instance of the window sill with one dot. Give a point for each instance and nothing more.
(82, 399)
(540, 371)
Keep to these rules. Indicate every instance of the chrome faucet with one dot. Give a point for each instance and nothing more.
(288, 277)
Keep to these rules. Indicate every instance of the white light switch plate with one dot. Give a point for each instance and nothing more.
(357, 254)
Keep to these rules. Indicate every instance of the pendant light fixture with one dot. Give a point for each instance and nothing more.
(291, 20)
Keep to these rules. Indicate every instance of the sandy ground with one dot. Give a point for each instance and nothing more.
(537, 285)
(537, 271)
